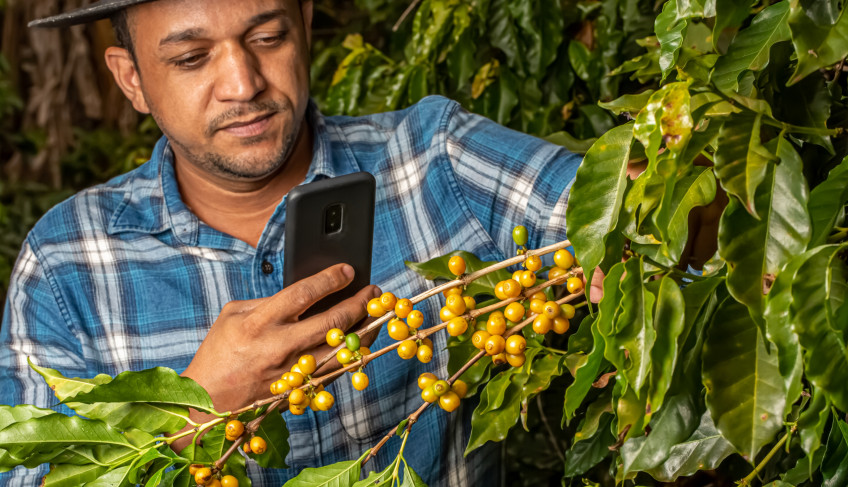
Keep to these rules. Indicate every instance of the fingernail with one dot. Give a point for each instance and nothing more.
(348, 271)
(376, 292)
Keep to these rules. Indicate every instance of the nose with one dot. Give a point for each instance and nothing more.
(239, 76)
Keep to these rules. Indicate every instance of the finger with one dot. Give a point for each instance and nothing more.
(292, 301)
(344, 315)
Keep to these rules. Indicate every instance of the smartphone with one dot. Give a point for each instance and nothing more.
(330, 222)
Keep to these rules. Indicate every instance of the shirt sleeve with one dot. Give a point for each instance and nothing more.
(509, 178)
(33, 327)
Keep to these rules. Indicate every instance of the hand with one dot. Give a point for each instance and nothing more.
(253, 342)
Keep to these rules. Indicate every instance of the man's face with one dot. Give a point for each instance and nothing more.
(226, 80)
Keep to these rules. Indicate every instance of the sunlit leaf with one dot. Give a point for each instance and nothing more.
(342, 474)
(670, 32)
(741, 160)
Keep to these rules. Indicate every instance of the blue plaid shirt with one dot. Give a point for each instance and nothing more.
(123, 276)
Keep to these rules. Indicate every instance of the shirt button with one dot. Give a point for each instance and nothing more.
(267, 268)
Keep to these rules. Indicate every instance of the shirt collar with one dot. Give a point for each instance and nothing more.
(152, 202)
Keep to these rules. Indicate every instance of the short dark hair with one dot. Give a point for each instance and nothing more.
(123, 36)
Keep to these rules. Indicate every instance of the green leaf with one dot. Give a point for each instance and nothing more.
(627, 103)
(15, 414)
(437, 268)
(741, 160)
(152, 418)
(817, 46)
(379, 479)
(629, 347)
(665, 118)
(493, 424)
(459, 353)
(571, 143)
(542, 369)
(584, 455)
(54, 431)
(669, 321)
(834, 467)
(672, 426)
(694, 190)
(596, 196)
(118, 477)
(159, 385)
(729, 15)
(827, 201)
(592, 421)
(340, 474)
(750, 48)
(410, 478)
(812, 421)
(64, 387)
(818, 297)
(755, 247)
(273, 429)
(703, 450)
(73, 475)
(670, 32)
(745, 391)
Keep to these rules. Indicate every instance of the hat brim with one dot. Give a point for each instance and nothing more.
(96, 11)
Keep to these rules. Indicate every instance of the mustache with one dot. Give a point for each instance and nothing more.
(223, 119)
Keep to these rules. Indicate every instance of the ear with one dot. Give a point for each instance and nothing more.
(306, 15)
(125, 72)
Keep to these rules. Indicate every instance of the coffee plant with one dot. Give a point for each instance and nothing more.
(729, 367)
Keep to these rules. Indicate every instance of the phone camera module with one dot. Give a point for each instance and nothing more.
(333, 216)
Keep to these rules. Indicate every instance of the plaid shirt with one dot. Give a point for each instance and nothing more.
(123, 276)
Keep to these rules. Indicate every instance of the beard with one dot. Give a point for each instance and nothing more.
(235, 166)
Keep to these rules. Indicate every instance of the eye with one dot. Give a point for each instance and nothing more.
(190, 61)
(270, 39)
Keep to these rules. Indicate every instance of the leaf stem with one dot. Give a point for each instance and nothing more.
(673, 270)
(400, 453)
(751, 476)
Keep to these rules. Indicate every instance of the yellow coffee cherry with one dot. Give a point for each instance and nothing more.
(388, 301)
(415, 319)
(455, 304)
(496, 324)
(517, 275)
(297, 397)
(539, 295)
(445, 314)
(449, 401)
(514, 312)
(533, 263)
(279, 387)
(258, 445)
(460, 388)
(229, 481)
(360, 381)
(295, 379)
(515, 360)
(296, 368)
(364, 351)
(456, 264)
(214, 483)
(344, 356)
(567, 311)
(469, 303)
(193, 468)
(560, 325)
(537, 306)
(551, 309)
(324, 401)
(307, 364)
(407, 349)
(429, 395)
(426, 379)
(457, 326)
(479, 339)
(574, 285)
(563, 259)
(495, 345)
(542, 324)
(425, 353)
(398, 329)
(335, 337)
(556, 272)
(403, 307)
(451, 291)
(511, 288)
(203, 476)
(499, 359)
(499, 291)
(527, 279)
(297, 409)
(440, 387)
(234, 428)
(375, 308)
(515, 344)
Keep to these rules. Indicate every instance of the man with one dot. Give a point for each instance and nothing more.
(178, 263)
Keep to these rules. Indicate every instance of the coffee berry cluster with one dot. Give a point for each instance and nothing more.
(303, 394)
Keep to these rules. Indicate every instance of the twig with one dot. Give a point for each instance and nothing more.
(405, 14)
(551, 436)
(751, 476)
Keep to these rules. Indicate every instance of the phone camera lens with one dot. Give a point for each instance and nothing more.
(333, 215)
